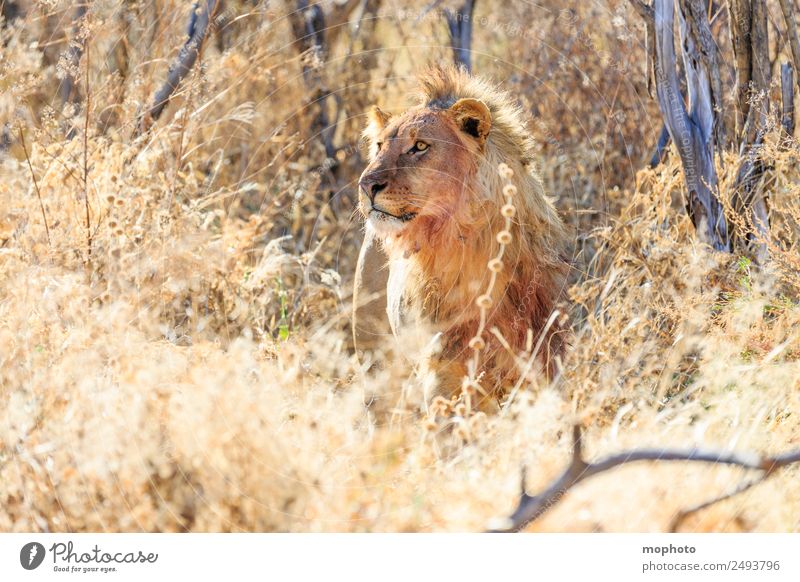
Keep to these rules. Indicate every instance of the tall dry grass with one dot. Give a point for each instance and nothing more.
(185, 363)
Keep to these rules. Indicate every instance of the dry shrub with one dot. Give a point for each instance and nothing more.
(185, 363)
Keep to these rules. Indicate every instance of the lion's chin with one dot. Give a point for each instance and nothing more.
(384, 224)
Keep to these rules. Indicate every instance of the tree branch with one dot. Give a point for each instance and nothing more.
(68, 89)
(459, 23)
(787, 7)
(197, 30)
(532, 507)
(787, 99)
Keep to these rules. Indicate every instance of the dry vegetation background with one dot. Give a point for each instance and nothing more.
(185, 363)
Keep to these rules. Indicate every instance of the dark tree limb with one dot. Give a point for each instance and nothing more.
(661, 147)
(682, 515)
(532, 507)
(313, 31)
(459, 24)
(68, 89)
(200, 20)
(10, 11)
(308, 24)
(787, 99)
(692, 131)
(787, 7)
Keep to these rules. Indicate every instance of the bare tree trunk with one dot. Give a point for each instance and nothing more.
(739, 17)
(692, 130)
(696, 31)
(748, 201)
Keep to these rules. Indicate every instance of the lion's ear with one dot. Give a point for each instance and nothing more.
(378, 118)
(473, 117)
(376, 122)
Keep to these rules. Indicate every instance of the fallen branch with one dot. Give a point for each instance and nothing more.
(199, 21)
(532, 507)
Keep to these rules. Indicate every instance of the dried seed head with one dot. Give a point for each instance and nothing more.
(477, 343)
(495, 265)
(439, 405)
(510, 190)
(461, 432)
(484, 302)
(110, 198)
(430, 425)
(504, 237)
(460, 409)
(505, 171)
(508, 210)
(477, 423)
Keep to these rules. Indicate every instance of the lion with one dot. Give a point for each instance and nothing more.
(431, 196)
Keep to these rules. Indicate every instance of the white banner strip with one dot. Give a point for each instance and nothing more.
(400, 557)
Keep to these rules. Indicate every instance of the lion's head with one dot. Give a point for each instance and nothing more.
(432, 195)
(415, 189)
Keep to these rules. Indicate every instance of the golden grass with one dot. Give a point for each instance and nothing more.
(193, 371)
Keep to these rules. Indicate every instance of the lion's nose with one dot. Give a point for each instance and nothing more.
(371, 187)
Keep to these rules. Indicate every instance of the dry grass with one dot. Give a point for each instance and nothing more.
(192, 370)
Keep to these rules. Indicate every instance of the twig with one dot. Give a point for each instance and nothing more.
(661, 147)
(86, 155)
(684, 514)
(531, 508)
(35, 184)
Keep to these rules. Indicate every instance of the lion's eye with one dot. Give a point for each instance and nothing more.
(419, 146)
